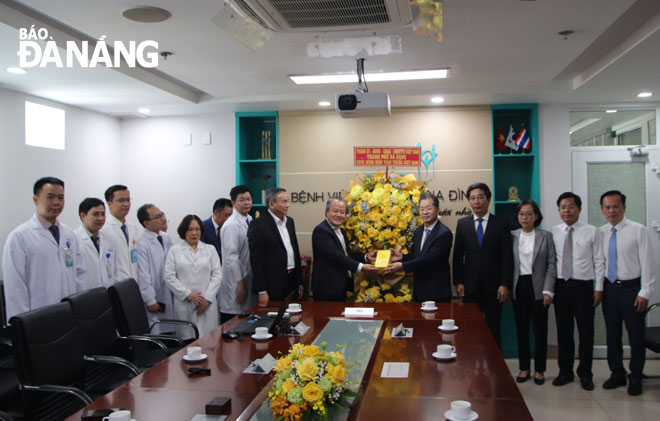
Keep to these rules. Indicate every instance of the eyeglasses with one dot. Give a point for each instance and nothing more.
(480, 197)
(159, 216)
(427, 209)
(568, 207)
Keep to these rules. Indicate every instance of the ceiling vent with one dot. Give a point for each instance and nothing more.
(327, 15)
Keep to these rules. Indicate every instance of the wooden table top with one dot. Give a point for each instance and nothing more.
(479, 374)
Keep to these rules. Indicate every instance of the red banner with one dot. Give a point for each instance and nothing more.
(398, 156)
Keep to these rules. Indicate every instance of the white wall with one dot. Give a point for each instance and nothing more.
(158, 168)
(88, 165)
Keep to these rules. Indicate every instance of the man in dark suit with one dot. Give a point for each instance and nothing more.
(429, 256)
(274, 253)
(333, 264)
(222, 209)
(483, 258)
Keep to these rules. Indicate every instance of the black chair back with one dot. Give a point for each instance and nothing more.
(3, 307)
(93, 311)
(130, 312)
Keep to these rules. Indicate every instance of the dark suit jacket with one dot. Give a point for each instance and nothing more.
(483, 269)
(268, 257)
(210, 236)
(331, 265)
(430, 264)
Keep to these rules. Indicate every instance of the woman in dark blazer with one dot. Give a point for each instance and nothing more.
(534, 273)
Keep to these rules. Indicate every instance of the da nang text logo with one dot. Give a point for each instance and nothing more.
(33, 53)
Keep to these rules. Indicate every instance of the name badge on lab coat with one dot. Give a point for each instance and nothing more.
(68, 254)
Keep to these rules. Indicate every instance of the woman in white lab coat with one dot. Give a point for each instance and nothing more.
(193, 273)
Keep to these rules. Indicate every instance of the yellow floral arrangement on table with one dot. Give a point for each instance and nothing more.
(383, 213)
(310, 383)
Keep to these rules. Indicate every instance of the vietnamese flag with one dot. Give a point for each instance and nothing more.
(500, 140)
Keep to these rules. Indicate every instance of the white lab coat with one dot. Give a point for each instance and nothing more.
(235, 264)
(188, 270)
(101, 266)
(151, 277)
(35, 268)
(127, 255)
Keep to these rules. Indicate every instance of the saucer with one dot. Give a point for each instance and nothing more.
(429, 308)
(473, 416)
(450, 357)
(448, 330)
(192, 360)
(261, 338)
(292, 311)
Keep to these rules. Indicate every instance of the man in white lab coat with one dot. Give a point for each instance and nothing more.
(41, 262)
(123, 234)
(153, 246)
(97, 249)
(235, 294)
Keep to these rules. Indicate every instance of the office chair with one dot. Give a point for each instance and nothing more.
(9, 393)
(132, 315)
(97, 321)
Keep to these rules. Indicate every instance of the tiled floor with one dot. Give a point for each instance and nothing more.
(571, 402)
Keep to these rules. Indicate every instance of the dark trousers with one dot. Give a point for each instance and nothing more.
(618, 307)
(574, 299)
(526, 308)
(224, 317)
(492, 311)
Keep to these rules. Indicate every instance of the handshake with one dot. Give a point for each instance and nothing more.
(395, 264)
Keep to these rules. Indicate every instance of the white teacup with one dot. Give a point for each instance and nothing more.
(428, 304)
(194, 352)
(295, 307)
(445, 351)
(461, 410)
(448, 324)
(261, 332)
(123, 415)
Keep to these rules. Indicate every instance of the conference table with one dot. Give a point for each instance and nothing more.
(478, 374)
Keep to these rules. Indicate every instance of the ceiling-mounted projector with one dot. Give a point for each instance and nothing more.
(361, 102)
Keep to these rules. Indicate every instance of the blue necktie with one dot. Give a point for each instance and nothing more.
(480, 231)
(247, 221)
(56, 233)
(125, 231)
(611, 257)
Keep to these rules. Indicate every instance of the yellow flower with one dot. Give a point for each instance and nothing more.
(374, 292)
(356, 191)
(288, 385)
(396, 210)
(365, 196)
(388, 187)
(312, 392)
(389, 298)
(282, 364)
(307, 369)
(407, 297)
(296, 350)
(310, 351)
(336, 374)
(401, 241)
(372, 233)
(385, 287)
(338, 357)
(364, 284)
(399, 299)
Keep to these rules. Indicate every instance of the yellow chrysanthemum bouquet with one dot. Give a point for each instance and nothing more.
(310, 382)
(383, 213)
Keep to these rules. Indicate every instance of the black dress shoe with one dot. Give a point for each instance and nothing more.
(587, 383)
(562, 379)
(615, 381)
(522, 379)
(634, 387)
(539, 381)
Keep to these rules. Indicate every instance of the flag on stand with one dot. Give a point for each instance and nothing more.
(510, 142)
(500, 139)
(523, 140)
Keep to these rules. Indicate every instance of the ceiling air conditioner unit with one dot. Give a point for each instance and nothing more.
(326, 15)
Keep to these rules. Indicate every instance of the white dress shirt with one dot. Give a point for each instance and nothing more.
(284, 233)
(340, 236)
(101, 264)
(151, 276)
(235, 263)
(634, 254)
(483, 223)
(526, 251)
(588, 263)
(421, 245)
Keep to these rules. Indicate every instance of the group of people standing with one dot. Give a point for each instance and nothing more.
(228, 262)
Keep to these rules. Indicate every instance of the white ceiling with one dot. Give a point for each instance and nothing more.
(498, 51)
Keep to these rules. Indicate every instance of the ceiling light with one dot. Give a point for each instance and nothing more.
(324, 103)
(610, 111)
(437, 100)
(371, 77)
(644, 94)
(146, 14)
(16, 70)
(144, 110)
(582, 124)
